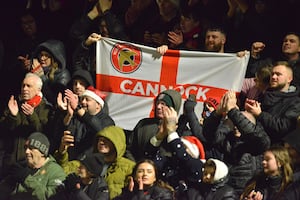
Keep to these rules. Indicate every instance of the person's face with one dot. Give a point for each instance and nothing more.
(90, 105)
(188, 24)
(105, 146)
(34, 157)
(280, 78)
(270, 165)
(83, 172)
(290, 45)
(166, 7)
(146, 172)
(79, 86)
(28, 25)
(214, 41)
(29, 88)
(103, 29)
(44, 59)
(159, 109)
(208, 175)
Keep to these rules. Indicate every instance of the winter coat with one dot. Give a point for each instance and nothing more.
(280, 111)
(62, 76)
(19, 127)
(241, 154)
(173, 162)
(146, 128)
(154, 193)
(41, 185)
(268, 186)
(118, 171)
(292, 192)
(220, 190)
(84, 129)
(97, 190)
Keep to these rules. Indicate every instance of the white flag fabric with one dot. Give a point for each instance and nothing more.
(133, 75)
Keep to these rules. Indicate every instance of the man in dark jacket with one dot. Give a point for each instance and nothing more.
(23, 116)
(146, 128)
(280, 106)
(82, 121)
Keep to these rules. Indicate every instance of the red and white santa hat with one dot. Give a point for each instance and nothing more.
(195, 146)
(95, 94)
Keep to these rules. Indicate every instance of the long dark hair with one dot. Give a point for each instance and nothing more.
(158, 181)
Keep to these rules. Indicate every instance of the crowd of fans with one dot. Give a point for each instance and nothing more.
(58, 140)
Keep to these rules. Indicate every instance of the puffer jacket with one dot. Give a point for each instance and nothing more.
(62, 76)
(117, 171)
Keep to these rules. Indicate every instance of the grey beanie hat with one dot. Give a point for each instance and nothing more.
(39, 141)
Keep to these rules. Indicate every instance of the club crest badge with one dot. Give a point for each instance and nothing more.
(126, 58)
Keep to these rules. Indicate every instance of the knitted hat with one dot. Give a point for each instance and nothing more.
(83, 75)
(194, 145)
(293, 139)
(166, 98)
(39, 141)
(93, 163)
(95, 94)
(221, 170)
(212, 101)
(175, 98)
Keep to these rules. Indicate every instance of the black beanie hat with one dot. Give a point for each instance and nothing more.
(166, 98)
(93, 163)
(39, 141)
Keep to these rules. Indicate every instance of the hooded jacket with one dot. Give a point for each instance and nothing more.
(118, 171)
(61, 76)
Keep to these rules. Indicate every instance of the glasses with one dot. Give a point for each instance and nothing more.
(44, 56)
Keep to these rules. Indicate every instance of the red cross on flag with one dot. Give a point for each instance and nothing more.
(133, 75)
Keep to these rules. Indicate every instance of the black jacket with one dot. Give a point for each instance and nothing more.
(153, 193)
(280, 113)
(242, 154)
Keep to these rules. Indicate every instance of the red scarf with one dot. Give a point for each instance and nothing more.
(34, 101)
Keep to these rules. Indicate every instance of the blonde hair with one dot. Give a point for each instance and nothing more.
(53, 69)
(281, 155)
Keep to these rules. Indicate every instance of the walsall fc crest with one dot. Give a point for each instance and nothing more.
(126, 58)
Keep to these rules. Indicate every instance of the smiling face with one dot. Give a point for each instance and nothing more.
(90, 105)
(214, 41)
(146, 173)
